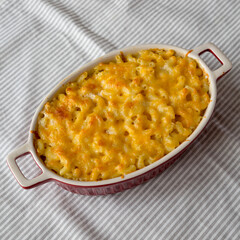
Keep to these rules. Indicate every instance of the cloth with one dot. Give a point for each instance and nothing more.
(41, 42)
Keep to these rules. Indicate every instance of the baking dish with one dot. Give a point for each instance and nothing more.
(135, 178)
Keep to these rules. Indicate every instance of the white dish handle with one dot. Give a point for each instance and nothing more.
(22, 180)
(210, 47)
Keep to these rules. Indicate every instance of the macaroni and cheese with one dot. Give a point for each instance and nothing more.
(122, 115)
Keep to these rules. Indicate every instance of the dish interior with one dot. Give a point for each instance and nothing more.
(114, 119)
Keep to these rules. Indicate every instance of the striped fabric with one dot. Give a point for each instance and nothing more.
(41, 42)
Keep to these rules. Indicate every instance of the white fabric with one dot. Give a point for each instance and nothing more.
(41, 42)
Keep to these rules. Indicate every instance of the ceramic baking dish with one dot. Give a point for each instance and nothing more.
(135, 178)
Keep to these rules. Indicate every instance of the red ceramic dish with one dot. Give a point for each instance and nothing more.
(135, 178)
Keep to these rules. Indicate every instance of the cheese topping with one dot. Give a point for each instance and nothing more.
(122, 115)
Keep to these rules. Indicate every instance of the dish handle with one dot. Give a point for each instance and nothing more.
(221, 57)
(22, 180)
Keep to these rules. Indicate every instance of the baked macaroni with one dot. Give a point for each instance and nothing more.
(122, 115)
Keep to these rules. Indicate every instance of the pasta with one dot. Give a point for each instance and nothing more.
(122, 115)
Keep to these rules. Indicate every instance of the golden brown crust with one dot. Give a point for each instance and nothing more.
(122, 117)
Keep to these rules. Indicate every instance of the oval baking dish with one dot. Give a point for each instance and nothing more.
(135, 178)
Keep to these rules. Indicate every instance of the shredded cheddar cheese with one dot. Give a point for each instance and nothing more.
(122, 115)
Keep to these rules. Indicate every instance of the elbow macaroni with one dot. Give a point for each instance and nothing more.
(122, 116)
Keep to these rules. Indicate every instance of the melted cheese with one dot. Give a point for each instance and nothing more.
(122, 116)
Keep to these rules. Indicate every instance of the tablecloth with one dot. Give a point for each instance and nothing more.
(41, 42)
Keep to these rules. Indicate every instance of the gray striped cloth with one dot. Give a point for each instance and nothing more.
(41, 42)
